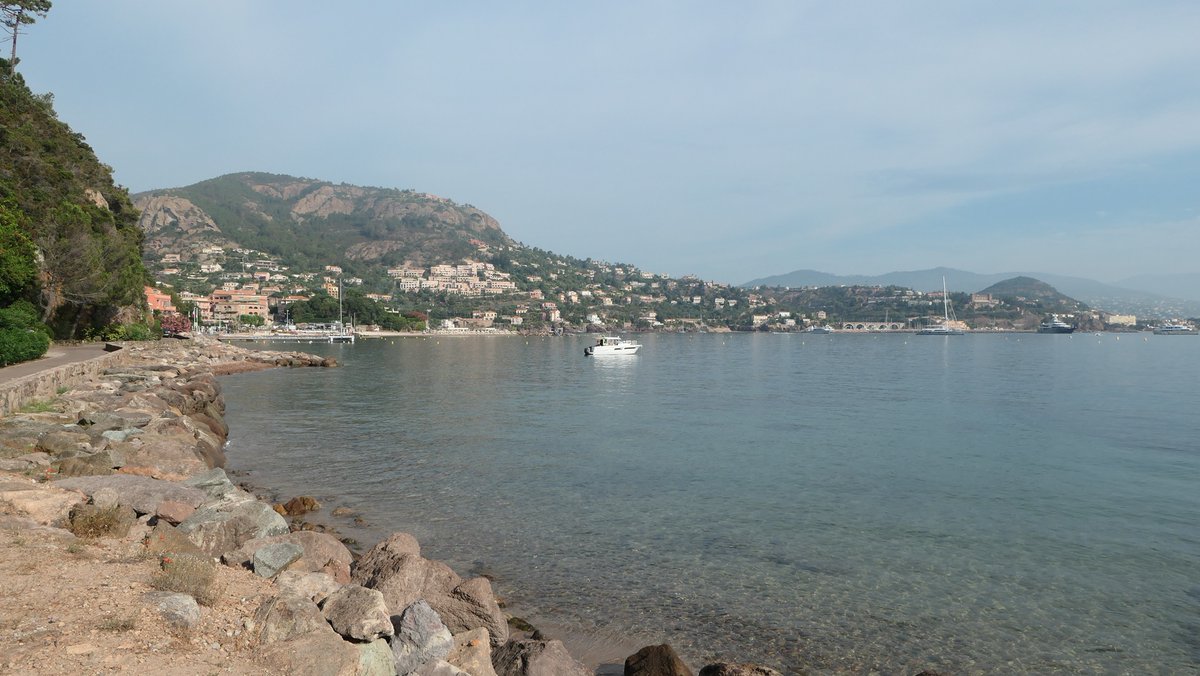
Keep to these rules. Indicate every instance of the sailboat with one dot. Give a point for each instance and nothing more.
(943, 329)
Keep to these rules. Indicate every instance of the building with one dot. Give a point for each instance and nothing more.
(158, 301)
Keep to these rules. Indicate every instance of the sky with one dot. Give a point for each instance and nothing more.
(731, 140)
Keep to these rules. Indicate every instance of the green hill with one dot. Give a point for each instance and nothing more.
(308, 223)
(1034, 295)
(69, 240)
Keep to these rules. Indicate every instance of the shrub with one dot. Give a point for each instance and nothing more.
(190, 575)
(89, 521)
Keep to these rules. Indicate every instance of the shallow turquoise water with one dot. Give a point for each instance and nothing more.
(983, 503)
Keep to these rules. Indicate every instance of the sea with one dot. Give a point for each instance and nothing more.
(844, 503)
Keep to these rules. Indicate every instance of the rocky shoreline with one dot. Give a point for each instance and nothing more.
(129, 548)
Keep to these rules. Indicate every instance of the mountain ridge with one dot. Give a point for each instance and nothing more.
(1092, 292)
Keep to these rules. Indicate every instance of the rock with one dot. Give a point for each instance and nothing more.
(396, 568)
(471, 653)
(26, 462)
(62, 442)
(656, 660)
(44, 503)
(319, 651)
(177, 453)
(96, 464)
(214, 483)
(314, 586)
(301, 505)
(358, 613)
(142, 493)
(730, 669)
(106, 497)
(173, 512)
(224, 526)
(322, 552)
(470, 605)
(442, 668)
(375, 659)
(530, 657)
(269, 560)
(342, 511)
(420, 638)
(98, 422)
(180, 610)
(285, 616)
(166, 539)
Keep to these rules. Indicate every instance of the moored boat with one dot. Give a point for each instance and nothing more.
(606, 345)
(946, 328)
(1175, 330)
(820, 329)
(1055, 325)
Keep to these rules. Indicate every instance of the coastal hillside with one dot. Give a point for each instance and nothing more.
(69, 242)
(1169, 299)
(309, 223)
(1034, 295)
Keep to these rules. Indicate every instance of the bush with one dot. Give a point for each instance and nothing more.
(190, 575)
(18, 345)
(89, 521)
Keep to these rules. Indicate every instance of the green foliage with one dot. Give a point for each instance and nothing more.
(18, 264)
(251, 320)
(22, 337)
(52, 187)
(117, 331)
(363, 310)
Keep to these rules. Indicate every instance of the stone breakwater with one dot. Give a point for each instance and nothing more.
(128, 547)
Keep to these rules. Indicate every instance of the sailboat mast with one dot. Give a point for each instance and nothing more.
(945, 302)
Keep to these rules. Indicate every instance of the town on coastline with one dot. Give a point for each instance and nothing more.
(248, 294)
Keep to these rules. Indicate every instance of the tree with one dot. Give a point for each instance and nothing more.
(17, 13)
(18, 262)
(251, 320)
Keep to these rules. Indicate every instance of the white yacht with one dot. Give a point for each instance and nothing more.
(611, 345)
(1175, 330)
(945, 328)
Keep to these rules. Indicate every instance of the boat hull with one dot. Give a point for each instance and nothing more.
(604, 350)
(1056, 329)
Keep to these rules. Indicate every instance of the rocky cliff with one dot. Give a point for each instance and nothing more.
(307, 222)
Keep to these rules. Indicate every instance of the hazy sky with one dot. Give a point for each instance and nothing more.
(726, 139)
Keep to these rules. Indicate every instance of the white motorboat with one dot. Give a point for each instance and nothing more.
(611, 345)
(1055, 325)
(815, 328)
(1175, 330)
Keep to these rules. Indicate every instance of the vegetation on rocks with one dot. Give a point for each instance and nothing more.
(69, 242)
(188, 574)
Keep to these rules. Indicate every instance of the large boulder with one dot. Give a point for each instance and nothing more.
(223, 526)
(471, 653)
(94, 464)
(268, 561)
(419, 639)
(64, 443)
(358, 613)
(530, 657)
(141, 493)
(314, 586)
(285, 616)
(396, 568)
(179, 610)
(319, 651)
(214, 483)
(322, 552)
(166, 539)
(176, 453)
(45, 504)
(656, 660)
(472, 605)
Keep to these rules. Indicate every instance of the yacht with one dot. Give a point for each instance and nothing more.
(943, 329)
(1055, 325)
(1175, 330)
(820, 329)
(611, 345)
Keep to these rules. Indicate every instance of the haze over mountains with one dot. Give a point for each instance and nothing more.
(1164, 295)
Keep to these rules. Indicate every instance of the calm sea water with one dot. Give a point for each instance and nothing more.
(983, 503)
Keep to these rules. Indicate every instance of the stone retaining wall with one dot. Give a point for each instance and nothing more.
(46, 384)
